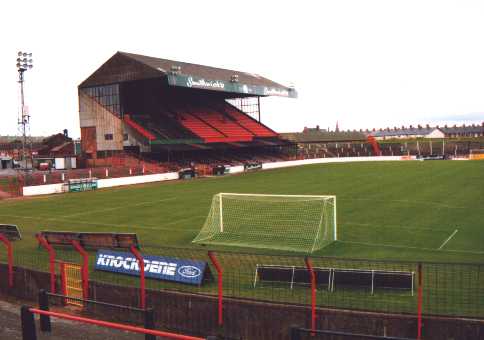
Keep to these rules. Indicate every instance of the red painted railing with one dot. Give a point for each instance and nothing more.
(43, 242)
(141, 264)
(309, 265)
(107, 324)
(419, 306)
(8, 244)
(85, 268)
(217, 266)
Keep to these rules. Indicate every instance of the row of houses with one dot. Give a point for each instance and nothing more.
(470, 131)
(317, 134)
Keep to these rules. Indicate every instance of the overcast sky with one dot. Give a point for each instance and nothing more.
(363, 63)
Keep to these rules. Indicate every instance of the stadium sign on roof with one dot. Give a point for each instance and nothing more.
(123, 67)
(227, 86)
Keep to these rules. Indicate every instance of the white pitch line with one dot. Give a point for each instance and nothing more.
(117, 207)
(445, 242)
(135, 226)
(412, 202)
(410, 247)
(355, 224)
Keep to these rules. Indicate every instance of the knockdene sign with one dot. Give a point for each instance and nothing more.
(156, 267)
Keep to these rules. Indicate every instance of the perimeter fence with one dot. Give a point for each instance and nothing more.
(447, 289)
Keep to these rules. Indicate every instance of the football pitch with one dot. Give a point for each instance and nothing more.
(416, 211)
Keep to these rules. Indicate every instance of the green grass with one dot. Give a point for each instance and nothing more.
(400, 211)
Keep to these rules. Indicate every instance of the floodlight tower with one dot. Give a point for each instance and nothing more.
(24, 63)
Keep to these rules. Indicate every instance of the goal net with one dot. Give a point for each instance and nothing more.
(300, 223)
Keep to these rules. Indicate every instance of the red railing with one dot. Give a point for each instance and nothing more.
(43, 242)
(419, 307)
(218, 267)
(85, 268)
(8, 244)
(28, 325)
(309, 265)
(141, 264)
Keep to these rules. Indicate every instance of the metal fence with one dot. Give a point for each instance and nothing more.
(448, 289)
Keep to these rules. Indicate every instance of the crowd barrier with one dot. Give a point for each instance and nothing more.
(119, 181)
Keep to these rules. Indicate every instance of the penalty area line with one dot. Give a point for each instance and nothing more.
(448, 239)
(410, 247)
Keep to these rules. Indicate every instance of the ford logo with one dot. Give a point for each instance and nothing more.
(189, 271)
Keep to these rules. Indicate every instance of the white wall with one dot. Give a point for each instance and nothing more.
(276, 165)
(42, 189)
(113, 182)
(102, 183)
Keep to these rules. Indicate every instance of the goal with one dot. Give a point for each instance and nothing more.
(302, 223)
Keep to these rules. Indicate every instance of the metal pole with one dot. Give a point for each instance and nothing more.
(309, 266)
(149, 323)
(9, 247)
(142, 288)
(45, 325)
(85, 268)
(43, 242)
(28, 324)
(22, 118)
(419, 306)
(213, 258)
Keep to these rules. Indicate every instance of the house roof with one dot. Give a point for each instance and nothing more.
(124, 66)
(422, 131)
(311, 135)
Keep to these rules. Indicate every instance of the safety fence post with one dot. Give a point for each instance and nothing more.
(141, 263)
(217, 266)
(27, 323)
(295, 334)
(62, 269)
(85, 268)
(8, 244)
(150, 322)
(309, 266)
(43, 242)
(45, 325)
(420, 297)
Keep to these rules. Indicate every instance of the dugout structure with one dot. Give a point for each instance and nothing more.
(301, 223)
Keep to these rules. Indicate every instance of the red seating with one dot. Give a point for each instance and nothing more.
(138, 128)
(223, 124)
(199, 127)
(250, 124)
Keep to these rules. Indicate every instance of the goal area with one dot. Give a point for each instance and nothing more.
(301, 223)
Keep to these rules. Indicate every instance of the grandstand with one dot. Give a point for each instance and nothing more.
(170, 111)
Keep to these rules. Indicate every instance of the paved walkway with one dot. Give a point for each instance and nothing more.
(61, 329)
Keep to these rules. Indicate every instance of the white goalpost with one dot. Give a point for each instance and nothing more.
(303, 223)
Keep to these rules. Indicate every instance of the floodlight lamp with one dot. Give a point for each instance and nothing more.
(18, 65)
(19, 60)
(24, 54)
(19, 53)
(30, 66)
(30, 54)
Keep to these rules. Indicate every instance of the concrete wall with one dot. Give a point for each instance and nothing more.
(276, 165)
(102, 183)
(46, 189)
(112, 182)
